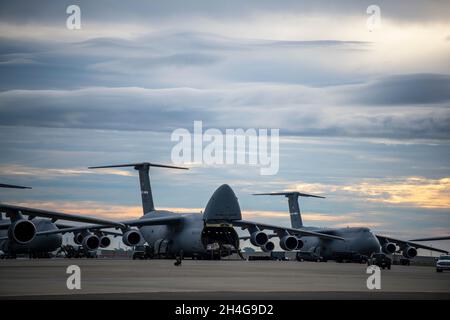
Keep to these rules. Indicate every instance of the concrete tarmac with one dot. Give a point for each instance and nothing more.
(160, 279)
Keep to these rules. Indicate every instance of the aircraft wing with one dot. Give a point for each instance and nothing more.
(261, 226)
(272, 235)
(12, 210)
(432, 239)
(12, 186)
(109, 233)
(399, 242)
(165, 220)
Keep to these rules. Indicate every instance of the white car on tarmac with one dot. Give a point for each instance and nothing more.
(443, 263)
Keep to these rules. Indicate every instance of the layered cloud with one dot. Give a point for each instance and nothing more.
(410, 191)
(311, 71)
(296, 110)
(413, 191)
(416, 192)
(51, 173)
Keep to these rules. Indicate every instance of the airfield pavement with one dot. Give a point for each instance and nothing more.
(228, 279)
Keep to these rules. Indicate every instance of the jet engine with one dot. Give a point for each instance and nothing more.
(268, 247)
(78, 238)
(259, 238)
(288, 243)
(90, 242)
(389, 248)
(299, 244)
(409, 252)
(104, 241)
(131, 238)
(22, 231)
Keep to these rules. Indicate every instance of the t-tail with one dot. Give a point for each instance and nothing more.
(144, 179)
(294, 207)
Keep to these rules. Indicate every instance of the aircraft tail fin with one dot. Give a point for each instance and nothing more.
(144, 179)
(294, 207)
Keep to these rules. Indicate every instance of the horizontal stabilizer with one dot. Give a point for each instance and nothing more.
(144, 180)
(289, 193)
(141, 164)
(294, 206)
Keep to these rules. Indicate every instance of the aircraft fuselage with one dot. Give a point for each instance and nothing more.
(357, 241)
(192, 236)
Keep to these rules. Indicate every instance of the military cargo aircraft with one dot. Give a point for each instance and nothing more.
(359, 242)
(203, 236)
(18, 235)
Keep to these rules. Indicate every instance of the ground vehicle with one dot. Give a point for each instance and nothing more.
(309, 256)
(381, 260)
(353, 257)
(280, 256)
(359, 258)
(70, 251)
(405, 262)
(142, 252)
(443, 263)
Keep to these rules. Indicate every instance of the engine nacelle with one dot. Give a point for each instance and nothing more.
(259, 238)
(268, 247)
(131, 238)
(409, 252)
(22, 231)
(105, 242)
(91, 242)
(299, 244)
(288, 243)
(389, 248)
(78, 238)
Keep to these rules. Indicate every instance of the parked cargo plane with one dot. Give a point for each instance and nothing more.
(358, 241)
(18, 235)
(207, 235)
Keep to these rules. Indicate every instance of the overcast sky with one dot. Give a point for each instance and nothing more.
(363, 114)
